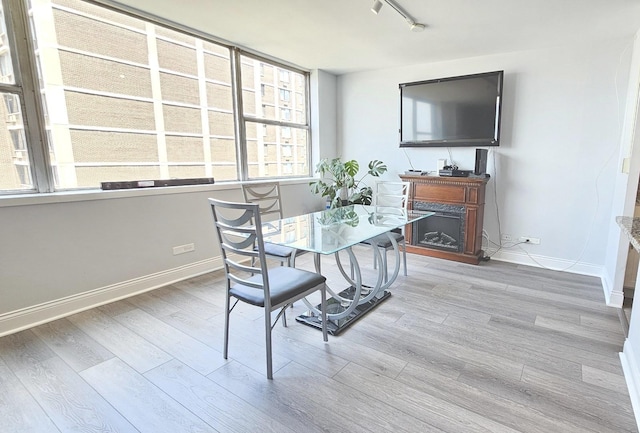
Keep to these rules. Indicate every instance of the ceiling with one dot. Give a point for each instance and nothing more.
(342, 36)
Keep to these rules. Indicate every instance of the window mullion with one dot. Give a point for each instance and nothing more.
(27, 79)
(240, 128)
(274, 122)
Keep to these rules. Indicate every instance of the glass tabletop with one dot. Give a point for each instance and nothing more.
(332, 230)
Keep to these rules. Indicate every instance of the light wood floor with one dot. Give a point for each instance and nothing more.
(457, 348)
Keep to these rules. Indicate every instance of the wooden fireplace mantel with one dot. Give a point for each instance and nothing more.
(468, 192)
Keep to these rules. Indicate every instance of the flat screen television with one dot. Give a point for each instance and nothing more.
(454, 111)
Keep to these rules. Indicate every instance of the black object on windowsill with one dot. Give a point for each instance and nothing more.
(132, 184)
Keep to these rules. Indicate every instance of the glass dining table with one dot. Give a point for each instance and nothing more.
(333, 231)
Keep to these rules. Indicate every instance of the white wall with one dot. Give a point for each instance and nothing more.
(555, 168)
(53, 251)
(323, 115)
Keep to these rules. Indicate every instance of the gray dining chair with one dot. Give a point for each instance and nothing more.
(267, 196)
(391, 195)
(238, 227)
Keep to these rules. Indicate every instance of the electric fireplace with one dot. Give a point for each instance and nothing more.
(454, 231)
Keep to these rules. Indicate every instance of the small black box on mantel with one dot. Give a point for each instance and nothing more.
(481, 161)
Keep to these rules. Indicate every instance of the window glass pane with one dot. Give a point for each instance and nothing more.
(130, 100)
(277, 151)
(6, 65)
(15, 172)
(276, 94)
(224, 167)
(177, 57)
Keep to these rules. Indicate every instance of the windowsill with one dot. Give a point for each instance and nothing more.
(97, 194)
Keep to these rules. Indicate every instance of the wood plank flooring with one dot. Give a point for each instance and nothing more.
(457, 348)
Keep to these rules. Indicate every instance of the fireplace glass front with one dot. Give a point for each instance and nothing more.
(443, 231)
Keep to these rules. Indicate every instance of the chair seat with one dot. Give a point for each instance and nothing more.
(383, 241)
(277, 250)
(284, 283)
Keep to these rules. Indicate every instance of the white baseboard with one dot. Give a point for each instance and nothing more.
(612, 298)
(554, 263)
(632, 377)
(15, 321)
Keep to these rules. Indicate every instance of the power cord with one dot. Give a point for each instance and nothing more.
(451, 161)
(501, 246)
(485, 234)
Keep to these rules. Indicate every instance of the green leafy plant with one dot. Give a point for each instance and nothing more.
(338, 181)
(341, 215)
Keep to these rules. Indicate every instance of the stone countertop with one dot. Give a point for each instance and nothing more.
(631, 227)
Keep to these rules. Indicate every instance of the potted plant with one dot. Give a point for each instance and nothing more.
(338, 181)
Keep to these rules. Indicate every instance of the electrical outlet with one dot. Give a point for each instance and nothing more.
(181, 249)
(507, 238)
(530, 240)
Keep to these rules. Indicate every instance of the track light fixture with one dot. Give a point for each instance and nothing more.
(377, 5)
(413, 25)
(416, 27)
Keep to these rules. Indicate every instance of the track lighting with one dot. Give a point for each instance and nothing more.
(377, 5)
(416, 27)
(413, 25)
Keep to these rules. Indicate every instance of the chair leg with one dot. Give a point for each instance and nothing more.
(225, 352)
(284, 316)
(385, 271)
(375, 262)
(404, 257)
(267, 330)
(291, 262)
(323, 307)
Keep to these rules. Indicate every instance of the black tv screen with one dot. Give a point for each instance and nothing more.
(454, 111)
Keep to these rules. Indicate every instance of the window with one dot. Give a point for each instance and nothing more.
(121, 115)
(24, 175)
(285, 95)
(11, 103)
(6, 74)
(17, 138)
(284, 75)
(278, 128)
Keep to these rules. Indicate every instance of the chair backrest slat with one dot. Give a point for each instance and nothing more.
(245, 282)
(236, 223)
(243, 268)
(243, 251)
(237, 239)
